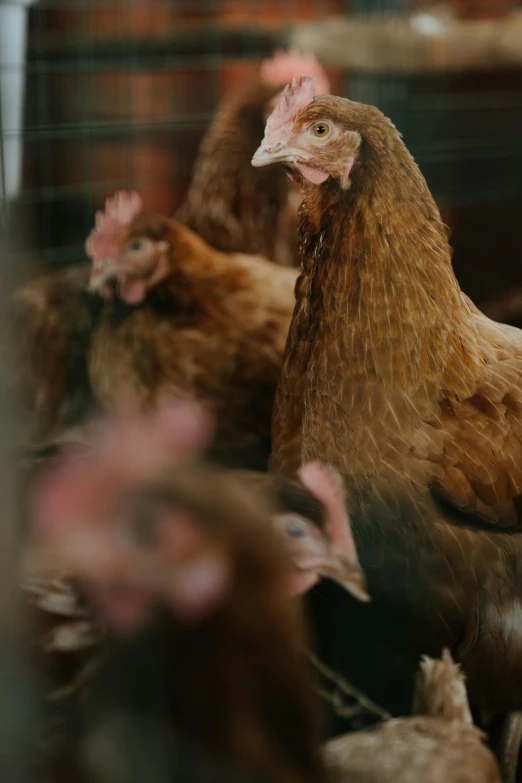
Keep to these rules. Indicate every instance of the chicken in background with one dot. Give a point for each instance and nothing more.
(157, 539)
(49, 324)
(391, 371)
(181, 317)
(232, 206)
(439, 745)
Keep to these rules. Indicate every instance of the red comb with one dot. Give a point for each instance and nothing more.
(283, 66)
(120, 211)
(124, 206)
(294, 97)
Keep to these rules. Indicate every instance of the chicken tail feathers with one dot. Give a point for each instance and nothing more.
(440, 690)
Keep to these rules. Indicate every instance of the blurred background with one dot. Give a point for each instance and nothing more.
(98, 95)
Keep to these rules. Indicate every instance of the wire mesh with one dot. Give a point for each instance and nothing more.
(118, 95)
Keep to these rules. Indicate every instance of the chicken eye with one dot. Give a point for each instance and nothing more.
(321, 129)
(136, 245)
(295, 530)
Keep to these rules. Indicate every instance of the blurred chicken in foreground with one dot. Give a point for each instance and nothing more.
(232, 206)
(75, 533)
(181, 317)
(158, 540)
(229, 647)
(308, 514)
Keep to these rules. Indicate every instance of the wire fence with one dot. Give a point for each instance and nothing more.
(118, 94)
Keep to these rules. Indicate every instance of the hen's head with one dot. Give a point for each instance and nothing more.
(321, 138)
(322, 548)
(129, 248)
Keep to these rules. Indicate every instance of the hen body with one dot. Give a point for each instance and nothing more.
(232, 206)
(412, 750)
(433, 584)
(50, 321)
(215, 327)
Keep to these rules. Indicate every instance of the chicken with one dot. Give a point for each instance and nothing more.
(390, 371)
(316, 543)
(440, 745)
(141, 524)
(393, 374)
(184, 318)
(50, 320)
(433, 584)
(233, 207)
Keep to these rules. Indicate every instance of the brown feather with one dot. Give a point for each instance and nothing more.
(50, 321)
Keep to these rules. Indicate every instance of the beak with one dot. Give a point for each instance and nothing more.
(100, 276)
(348, 575)
(338, 568)
(277, 153)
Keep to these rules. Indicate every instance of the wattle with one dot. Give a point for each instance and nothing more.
(312, 174)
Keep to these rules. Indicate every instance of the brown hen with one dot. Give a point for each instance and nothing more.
(181, 317)
(232, 206)
(390, 371)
